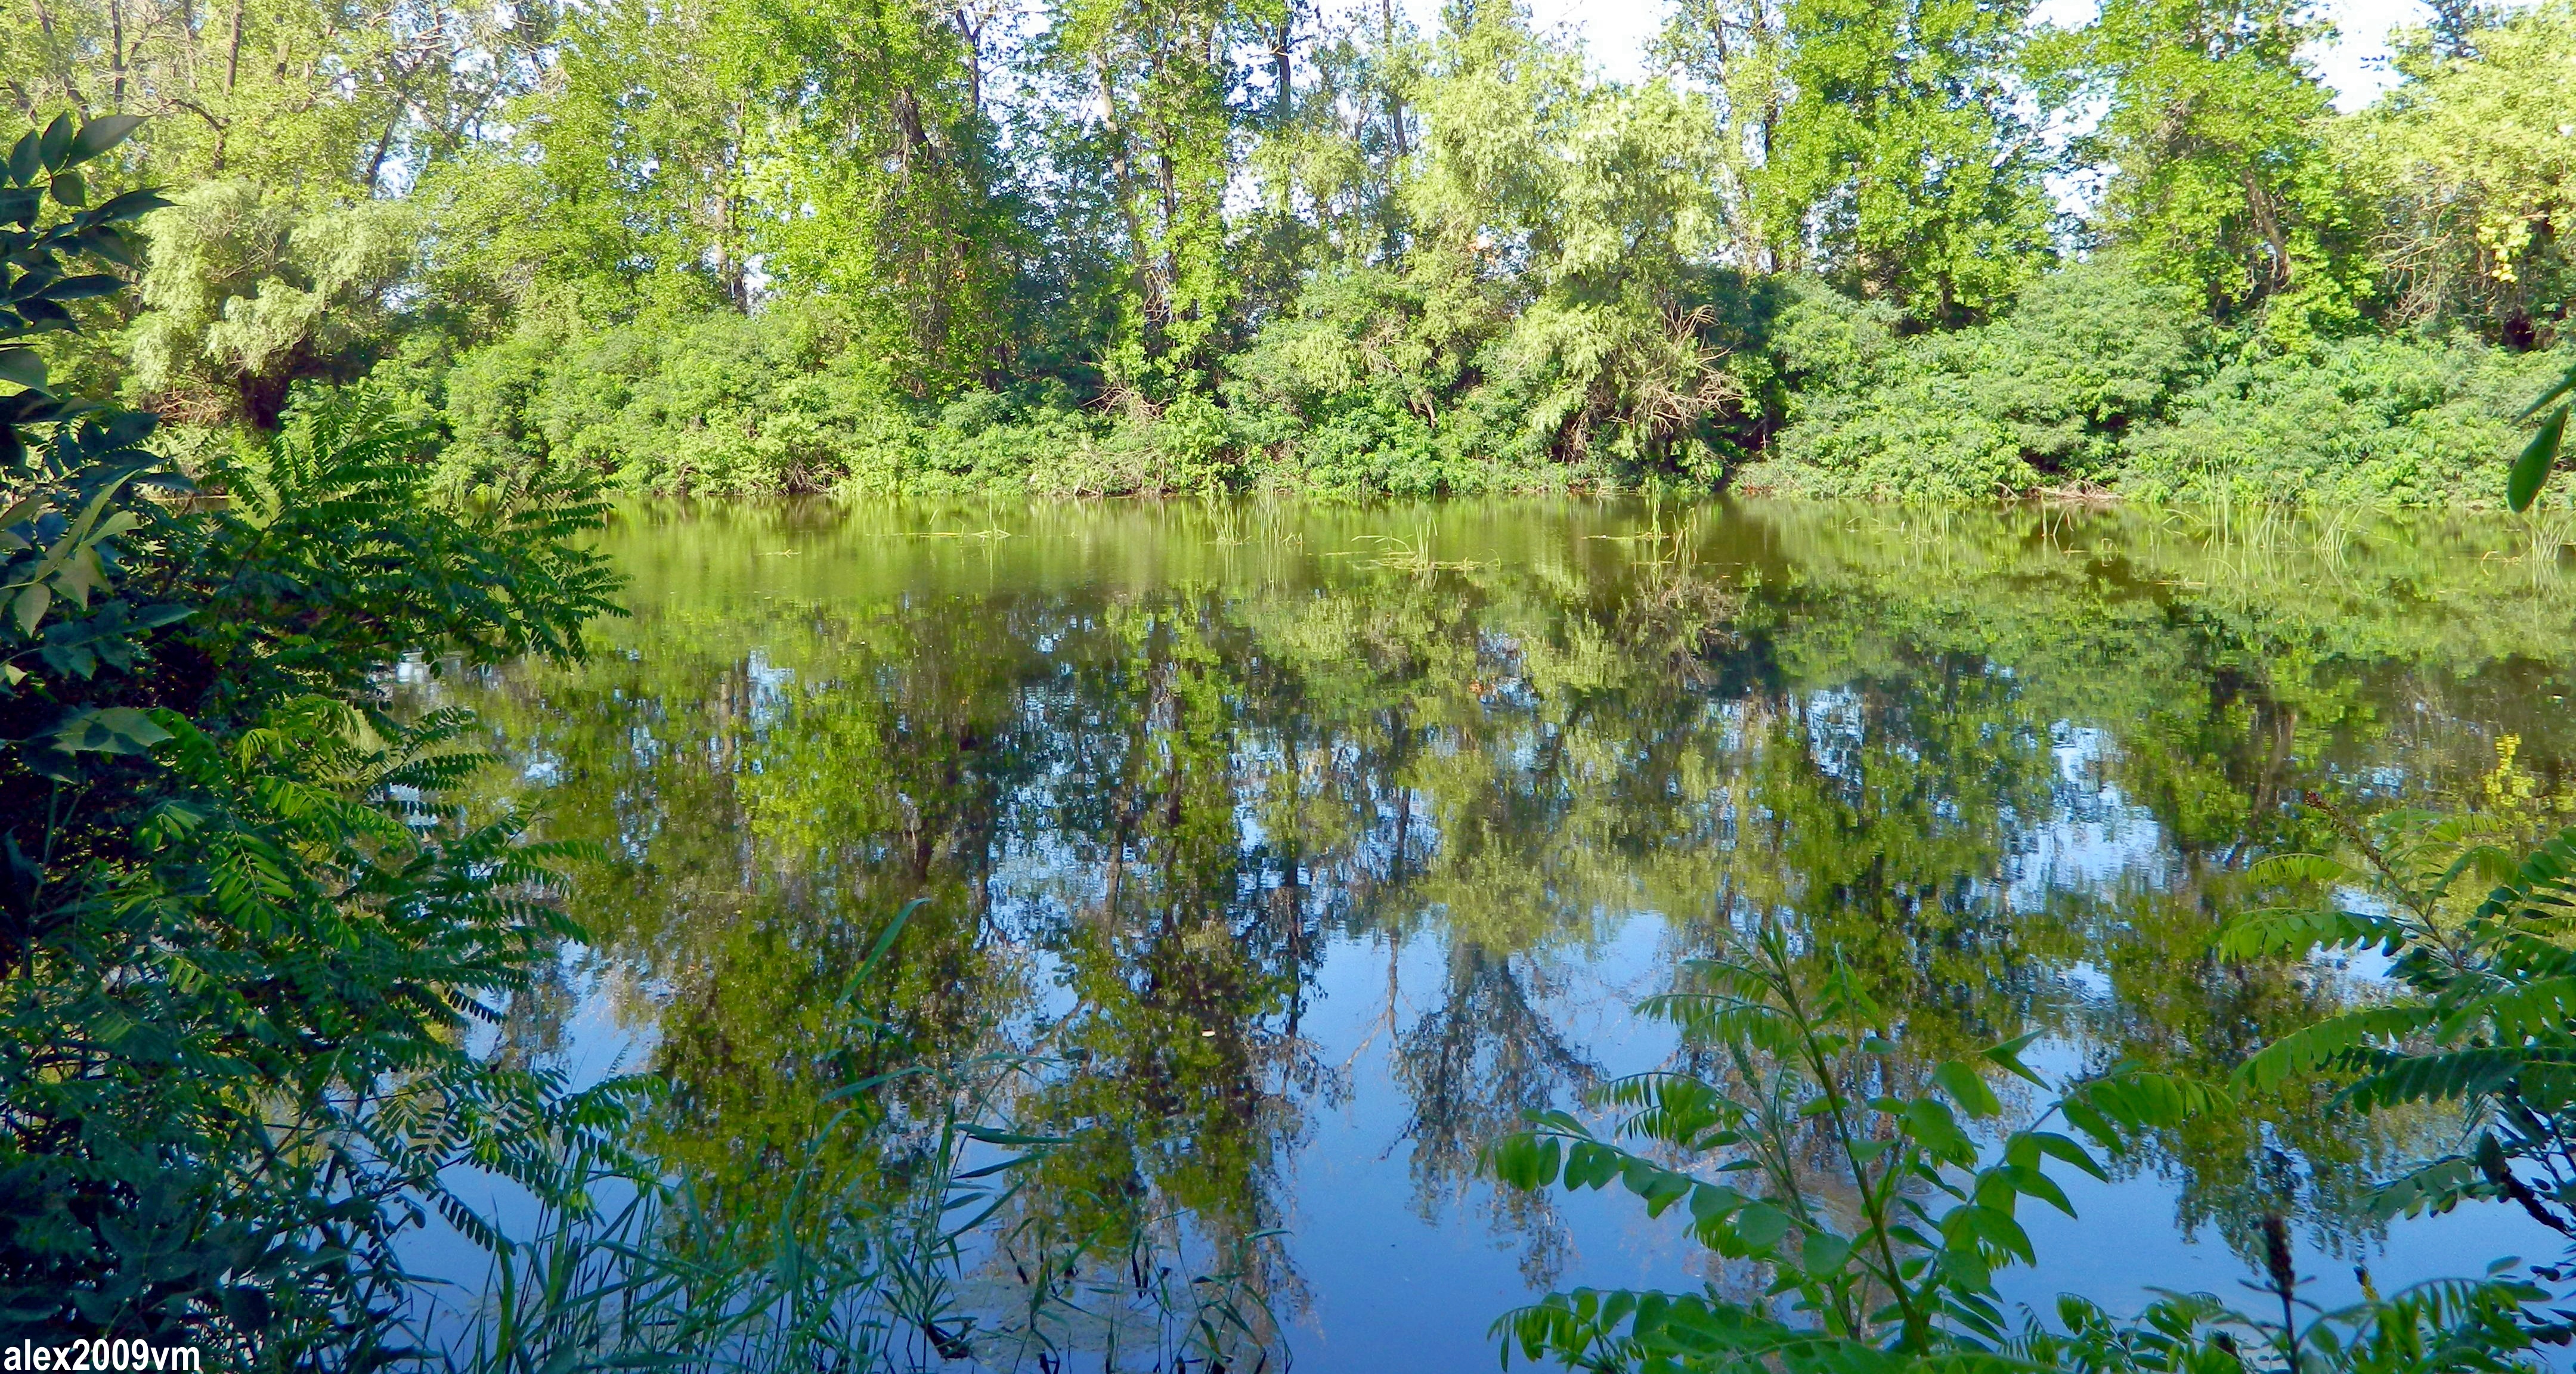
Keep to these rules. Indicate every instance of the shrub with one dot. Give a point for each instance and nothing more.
(2044, 396)
(1811, 1146)
(2376, 420)
(240, 936)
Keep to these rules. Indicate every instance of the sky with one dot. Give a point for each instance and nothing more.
(1615, 32)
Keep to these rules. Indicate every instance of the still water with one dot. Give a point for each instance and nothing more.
(1275, 859)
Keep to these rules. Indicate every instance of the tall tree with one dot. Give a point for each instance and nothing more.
(339, 97)
(2472, 160)
(1882, 144)
(2216, 138)
(1162, 84)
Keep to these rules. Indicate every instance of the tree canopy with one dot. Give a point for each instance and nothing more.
(1109, 245)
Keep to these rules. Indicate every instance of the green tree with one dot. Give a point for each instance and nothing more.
(1160, 80)
(245, 296)
(244, 929)
(2223, 173)
(1901, 162)
(2469, 155)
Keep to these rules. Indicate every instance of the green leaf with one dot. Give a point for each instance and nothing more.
(25, 161)
(1825, 1254)
(83, 287)
(130, 205)
(1968, 1089)
(56, 142)
(2030, 1182)
(1931, 1123)
(1590, 1164)
(69, 188)
(1991, 1227)
(2258, 934)
(1526, 1161)
(991, 1136)
(1762, 1225)
(31, 606)
(102, 241)
(23, 366)
(99, 135)
(2062, 1147)
(2007, 1056)
(2522, 487)
(109, 730)
(2434, 1187)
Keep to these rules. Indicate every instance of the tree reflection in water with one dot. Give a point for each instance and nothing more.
(1152, 779)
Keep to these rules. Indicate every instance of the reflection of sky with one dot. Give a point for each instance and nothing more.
(2094, 839)
(1384, 1276)
(1389, 1266)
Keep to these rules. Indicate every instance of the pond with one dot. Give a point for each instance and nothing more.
(1274, 859)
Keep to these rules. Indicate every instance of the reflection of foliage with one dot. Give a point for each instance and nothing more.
(1152, 766)
(1474, 1068)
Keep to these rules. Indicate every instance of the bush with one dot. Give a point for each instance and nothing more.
(2098, 379)
(2375, 420)
(235, 978)
(1879, 1196)
(2042, 397)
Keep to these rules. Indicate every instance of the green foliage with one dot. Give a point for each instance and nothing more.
(1256, 244)
(1903, 155)
(1856, 1183)
(2468, 158)
(2530, 471)
(2488, 1015)
(244, 935)
(760, 405)
(2392, 421)
(2226, 182)
(247, 295)
(1910, 1261)
(2047, 396)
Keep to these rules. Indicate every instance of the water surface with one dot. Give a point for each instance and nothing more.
(1280, 857)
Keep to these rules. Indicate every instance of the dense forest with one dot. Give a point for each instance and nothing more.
(1931, 248)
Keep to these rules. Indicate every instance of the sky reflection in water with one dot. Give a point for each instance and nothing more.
(1310, 847)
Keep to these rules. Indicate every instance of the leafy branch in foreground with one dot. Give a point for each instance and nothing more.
(1879, 1204)
(2487, 1019)
(243, 934)
(2531, 468)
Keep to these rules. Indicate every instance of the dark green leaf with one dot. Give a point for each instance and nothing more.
(84, 287)
(109, 730)
(56, 142)
(99, 135)
(22, 366)
(129, 205)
